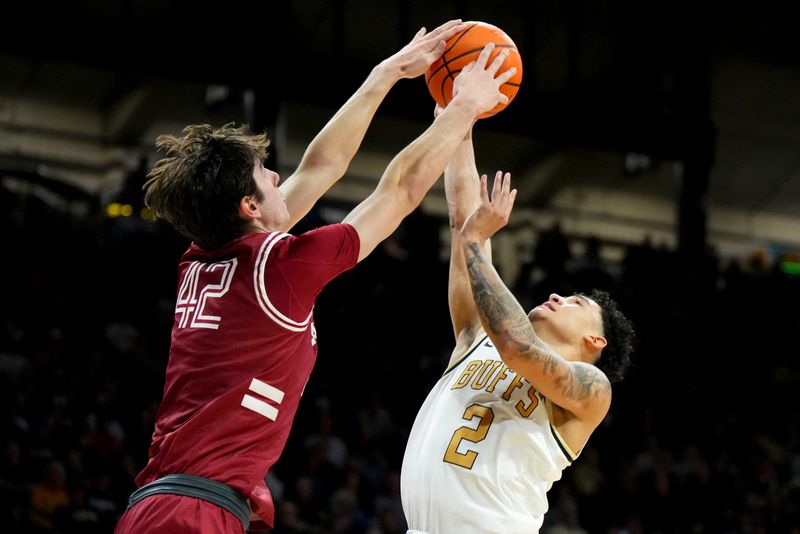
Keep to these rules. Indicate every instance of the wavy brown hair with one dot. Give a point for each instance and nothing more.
(203, 175)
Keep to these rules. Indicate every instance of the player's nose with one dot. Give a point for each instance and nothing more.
(555, 297)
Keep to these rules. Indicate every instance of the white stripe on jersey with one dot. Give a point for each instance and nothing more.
(261, 289)
(265, 390)
(259, 406)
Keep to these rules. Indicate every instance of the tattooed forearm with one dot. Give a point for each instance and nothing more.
(505, 320)
(497, 306)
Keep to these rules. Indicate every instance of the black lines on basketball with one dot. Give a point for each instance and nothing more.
(444, 54)
(442, 91)
(463, 49)
(446, 62)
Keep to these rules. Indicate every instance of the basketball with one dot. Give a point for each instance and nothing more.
(464, 48)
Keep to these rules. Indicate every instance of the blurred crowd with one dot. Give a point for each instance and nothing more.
(703, 435)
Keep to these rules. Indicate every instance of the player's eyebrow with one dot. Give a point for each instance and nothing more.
(579, 297)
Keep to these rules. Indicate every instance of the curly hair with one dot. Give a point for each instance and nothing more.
(618, 330)
(203, 175)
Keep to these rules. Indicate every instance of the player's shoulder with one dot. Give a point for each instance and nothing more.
(591, 376)
(328, 231)
(252, 247)
(336, 243)
(592, 392)
(467, 342)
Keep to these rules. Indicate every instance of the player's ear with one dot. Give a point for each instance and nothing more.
(249, 208)
(594, 343)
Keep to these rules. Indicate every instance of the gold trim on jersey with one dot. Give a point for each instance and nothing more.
(562, 443)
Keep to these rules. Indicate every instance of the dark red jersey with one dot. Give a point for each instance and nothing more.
(243, 347)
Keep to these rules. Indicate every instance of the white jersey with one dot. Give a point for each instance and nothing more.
(482, 453)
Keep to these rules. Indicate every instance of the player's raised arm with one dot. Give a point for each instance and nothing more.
(462, 190)
(415, 169)
(578, 387)
(327, 157)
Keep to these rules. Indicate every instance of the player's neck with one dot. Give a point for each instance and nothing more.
(256, 226)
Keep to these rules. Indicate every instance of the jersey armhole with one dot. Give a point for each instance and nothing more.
(470, 351)
(260, 287)
(562, 444)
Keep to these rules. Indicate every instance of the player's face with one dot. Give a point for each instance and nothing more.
(274, 213)
(566, 319)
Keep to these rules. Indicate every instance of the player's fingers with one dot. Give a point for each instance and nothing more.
(507, 182)
(447, 30)
(468, 66)
(506, 192)
(494, 66)
(438, 49)
(483, 58)
(505, 75)
(497, 189)
(419, 34)
(484, 190)
(452, 32)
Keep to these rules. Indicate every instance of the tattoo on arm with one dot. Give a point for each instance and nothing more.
(502, 313)
(585, 381)
(504, 318)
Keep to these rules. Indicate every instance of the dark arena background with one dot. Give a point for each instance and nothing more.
(656, 149)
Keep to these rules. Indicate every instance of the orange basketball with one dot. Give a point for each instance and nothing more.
(462, 49)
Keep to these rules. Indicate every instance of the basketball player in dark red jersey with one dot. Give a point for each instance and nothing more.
(243, 341)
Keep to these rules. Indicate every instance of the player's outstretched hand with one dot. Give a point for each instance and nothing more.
(492, 213)
(426, 47)
(479, 82)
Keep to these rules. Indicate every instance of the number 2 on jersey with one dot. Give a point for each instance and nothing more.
(474, 435)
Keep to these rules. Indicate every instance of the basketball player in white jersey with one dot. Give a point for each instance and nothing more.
(522, 392)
